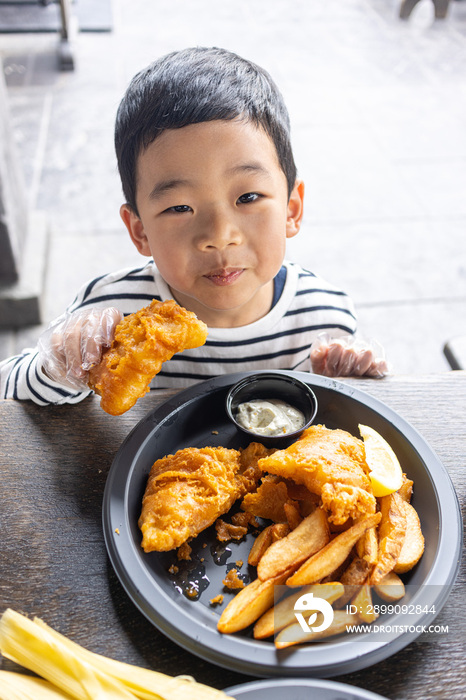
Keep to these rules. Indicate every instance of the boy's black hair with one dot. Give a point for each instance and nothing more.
(192, 86)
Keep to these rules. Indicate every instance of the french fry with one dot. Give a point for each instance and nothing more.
(283, 614)
(353, 578)
(334, 560)
(248, 605)
(294, 634)
(363, 602)
(335, 529)
(332, 555)
(391, 588)
(392, 531)
(279, 530)
(338, 572)
(269, 535)
(361, 545)
(413, 543)
(367, 546)
(311, 535)
(293, 516)
(356, 573)
(260, 545)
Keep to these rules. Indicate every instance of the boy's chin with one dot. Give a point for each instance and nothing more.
(220, 308)
(223, 316)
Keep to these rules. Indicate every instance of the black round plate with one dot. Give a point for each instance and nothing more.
(299, 689)
(196, 418)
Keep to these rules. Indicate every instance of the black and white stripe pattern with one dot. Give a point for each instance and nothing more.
(280, 340)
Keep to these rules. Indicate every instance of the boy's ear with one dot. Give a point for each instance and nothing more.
(135, 229)
(295, 209)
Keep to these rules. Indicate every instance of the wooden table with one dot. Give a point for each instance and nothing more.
(53, 562)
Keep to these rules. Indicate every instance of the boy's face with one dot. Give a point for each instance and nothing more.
(214, 213)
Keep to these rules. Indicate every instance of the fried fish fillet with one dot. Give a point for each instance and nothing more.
(143, 341)
(331, 464)
(186, 492)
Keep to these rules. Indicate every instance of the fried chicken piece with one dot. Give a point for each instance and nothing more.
(142, 342)
(331, 464)
(186, 492)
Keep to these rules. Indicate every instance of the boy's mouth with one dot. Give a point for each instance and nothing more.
(225, 276)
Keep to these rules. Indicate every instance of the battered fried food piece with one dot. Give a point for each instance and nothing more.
(331, 464)
(227, 531)
(250, 470)
(186, 492)
(232, 580)
(269, 500)
(344, 501)
(143, 341)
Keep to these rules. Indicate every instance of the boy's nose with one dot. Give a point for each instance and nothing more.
(218, 231)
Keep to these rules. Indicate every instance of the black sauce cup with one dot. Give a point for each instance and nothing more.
(272, 385)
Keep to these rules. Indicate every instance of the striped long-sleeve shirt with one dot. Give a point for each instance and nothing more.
(307, 306)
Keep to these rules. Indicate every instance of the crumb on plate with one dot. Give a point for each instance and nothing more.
(232, 580)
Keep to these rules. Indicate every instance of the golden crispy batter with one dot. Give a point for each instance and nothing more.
(246, 520)
(143, 341)
(269, 500)
(232, 580)
(228, 531)
(250, 470)
(344, 501)
(331, 464)
(186, 492)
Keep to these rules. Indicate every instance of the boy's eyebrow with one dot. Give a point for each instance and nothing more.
(249, 167)
(165, 186)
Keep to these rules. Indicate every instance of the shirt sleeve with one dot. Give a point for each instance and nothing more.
(21, 377)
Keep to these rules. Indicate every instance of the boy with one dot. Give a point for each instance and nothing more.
(203, 145)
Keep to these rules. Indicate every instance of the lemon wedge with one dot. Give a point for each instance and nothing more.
(384, 468)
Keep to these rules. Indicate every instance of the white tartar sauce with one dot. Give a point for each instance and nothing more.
(269, 417)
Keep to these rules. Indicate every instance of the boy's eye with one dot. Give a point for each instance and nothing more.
(179, 209)
(248, 197)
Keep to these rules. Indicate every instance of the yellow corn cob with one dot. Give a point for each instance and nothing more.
(85, 675)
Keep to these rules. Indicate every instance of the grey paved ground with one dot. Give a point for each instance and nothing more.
(378, 108)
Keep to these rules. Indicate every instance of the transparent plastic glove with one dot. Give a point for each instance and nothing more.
(347, 357)
(73, 343)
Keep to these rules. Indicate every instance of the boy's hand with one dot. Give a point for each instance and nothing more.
(347, 357)
(73, 343)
